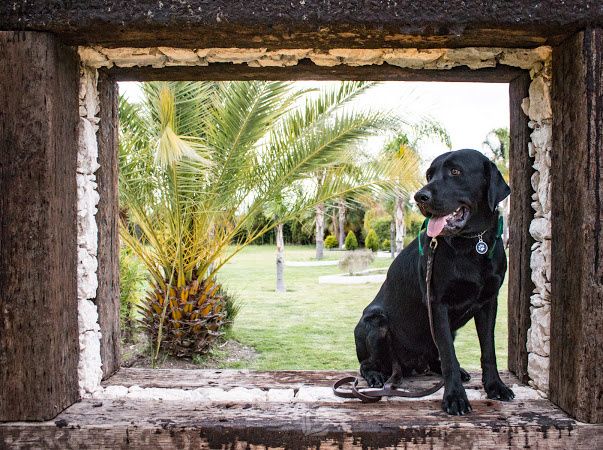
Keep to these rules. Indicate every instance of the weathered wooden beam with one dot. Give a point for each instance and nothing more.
(306, 70)
(154, 424)
(38, 250)
(576, 378)
(520, 240)
(107, 294)
(264, 380)
(314, 23)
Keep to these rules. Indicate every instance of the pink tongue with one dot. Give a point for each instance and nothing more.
(435, 226)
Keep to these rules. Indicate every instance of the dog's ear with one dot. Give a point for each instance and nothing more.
(498, 189)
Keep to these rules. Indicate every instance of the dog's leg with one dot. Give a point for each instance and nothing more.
(372, 348)
(455, 399)
(436, 367)
(485, 319)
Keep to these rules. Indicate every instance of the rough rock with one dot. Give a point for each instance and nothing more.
(540, 100)
(538, 370)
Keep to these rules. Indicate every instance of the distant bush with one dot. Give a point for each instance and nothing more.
(351, 243)
(372, 241)
(356, 261)
(382, 226)
(386, 245)
(331, 241)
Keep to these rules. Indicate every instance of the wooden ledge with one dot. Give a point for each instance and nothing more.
(123, 422)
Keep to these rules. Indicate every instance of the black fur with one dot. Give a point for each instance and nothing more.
(394, 329)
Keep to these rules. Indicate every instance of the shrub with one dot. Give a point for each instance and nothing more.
(372, 241)
(351, 243)
(356, 261)
(386, 245)
(331, 241)
(382, 227)
(232, 307)
(133, 283)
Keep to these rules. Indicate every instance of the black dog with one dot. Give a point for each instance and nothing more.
(393, 336)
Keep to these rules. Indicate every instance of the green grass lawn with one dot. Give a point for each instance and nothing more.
(311, 326)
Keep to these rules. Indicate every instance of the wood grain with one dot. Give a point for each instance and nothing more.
(307, 70)
(307, 24)
(576, 378)
(231, 378)
(520, 240)
(150, 424)
(107, 294)
(38, 250)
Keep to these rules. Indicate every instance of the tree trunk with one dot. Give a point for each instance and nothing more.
(341, 211)
(505, 207)
(280, 259)
(392, 239)
(335, 225)
(399, 219)
(320, 230)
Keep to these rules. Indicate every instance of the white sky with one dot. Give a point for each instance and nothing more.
(467, 110)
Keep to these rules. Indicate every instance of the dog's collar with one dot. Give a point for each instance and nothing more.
(481, 247)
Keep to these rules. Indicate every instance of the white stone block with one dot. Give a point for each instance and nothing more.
(112, 392)
(538, 370)
(540, 229)
(539, 332)
(87, 282)
(281, 395)
(412, 58)
(90, 366)
(540, 100)
(179, 55)
(537, 300)
(316, 394)
(87, 316)
(87, 155)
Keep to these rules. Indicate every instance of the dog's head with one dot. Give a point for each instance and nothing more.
(462, 191)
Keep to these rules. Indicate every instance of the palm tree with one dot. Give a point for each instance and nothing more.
(197, 162)
(498, 142)
(326, 126)
(402, 152)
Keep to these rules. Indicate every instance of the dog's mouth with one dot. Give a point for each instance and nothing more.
(448, 224)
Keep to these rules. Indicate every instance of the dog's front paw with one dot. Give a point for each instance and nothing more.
(465, 375)
(497, 390)
(373, 378)
(455, 401)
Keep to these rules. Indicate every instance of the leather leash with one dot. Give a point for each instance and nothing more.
(371, 395)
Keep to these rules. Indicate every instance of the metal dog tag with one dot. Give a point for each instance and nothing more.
(481, 247)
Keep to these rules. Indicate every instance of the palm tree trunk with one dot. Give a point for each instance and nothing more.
(392, 239)
(320, 230)
(341, 211)
(399, 224)
(280, 259)
(335, 225)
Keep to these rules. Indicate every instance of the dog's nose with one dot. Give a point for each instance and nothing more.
(423, 196)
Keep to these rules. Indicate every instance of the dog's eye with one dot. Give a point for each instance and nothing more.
(455, 172)
(428, 175)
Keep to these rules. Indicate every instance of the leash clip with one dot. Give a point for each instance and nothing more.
(433, 244)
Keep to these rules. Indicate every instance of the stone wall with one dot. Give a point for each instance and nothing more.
(89, 367)
(537, 106)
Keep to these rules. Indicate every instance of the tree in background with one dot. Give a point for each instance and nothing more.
(328, 126)
(498, 142)
(402, 151)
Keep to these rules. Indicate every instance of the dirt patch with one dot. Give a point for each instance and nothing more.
(226, 354)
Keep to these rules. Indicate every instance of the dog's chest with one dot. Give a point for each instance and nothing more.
(466, 286)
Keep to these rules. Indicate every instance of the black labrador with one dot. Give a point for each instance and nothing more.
(393, 336)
